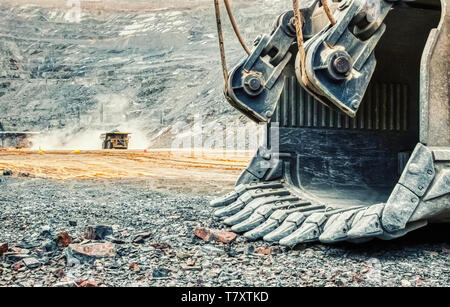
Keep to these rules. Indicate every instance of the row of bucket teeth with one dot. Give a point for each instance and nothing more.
(241, 189)
(276, 211)
(262, 196)
(273, 212)
(269, 210)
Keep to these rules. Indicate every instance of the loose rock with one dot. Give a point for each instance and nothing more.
(140, 237)
(31, 263)
(268, 251)
(66, 284)
(87, 284)
(220, 235)
(90, 252)
(63, 239)
(160, 272)
(46, 231)
(49, 245)
(406, 283)
(3, 248)
(98, 232)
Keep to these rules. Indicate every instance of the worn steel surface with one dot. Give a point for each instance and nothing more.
(434, 84)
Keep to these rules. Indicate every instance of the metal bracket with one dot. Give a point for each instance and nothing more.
(339, 63)
(419, 171)
(255, 85)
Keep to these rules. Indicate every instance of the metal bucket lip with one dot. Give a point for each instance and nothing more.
(425, 65)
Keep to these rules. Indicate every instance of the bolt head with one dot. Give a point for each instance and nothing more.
(342, 65)
(265, 154)
(355, 104)
(254, 84)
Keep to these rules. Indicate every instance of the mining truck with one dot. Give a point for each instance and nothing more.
(115, 140)
(355, 99)
(16, 139)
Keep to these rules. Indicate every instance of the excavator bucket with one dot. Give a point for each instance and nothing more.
(326, 175)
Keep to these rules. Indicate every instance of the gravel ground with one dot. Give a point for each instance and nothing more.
(33, 211)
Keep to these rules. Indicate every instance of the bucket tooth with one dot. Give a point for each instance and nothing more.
(367, 223)
(240, 190)
(276, 201)
(309, 231)
(244, 213)
(230, 209)
(231, 197)
(337, 227)
(268, 226)
(224, 200)
(257, 218)
(288, 226)
(246, 198)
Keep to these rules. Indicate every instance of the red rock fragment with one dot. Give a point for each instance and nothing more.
(419, 282)
(63, 239)
(3, 248)
(267, 251)
(160, 245)
(357, 278)
(59, 273)
(219, 235)
(16, 266)
(134, 266)
(224, 236)
(96, 250)
(203, 233)
(87, 284)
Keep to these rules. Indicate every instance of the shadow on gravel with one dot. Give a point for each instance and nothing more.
(433, 234)
(433, 237)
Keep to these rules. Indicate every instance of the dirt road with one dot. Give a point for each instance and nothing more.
(184, 171)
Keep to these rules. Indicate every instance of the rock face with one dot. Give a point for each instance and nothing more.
(145, 72)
